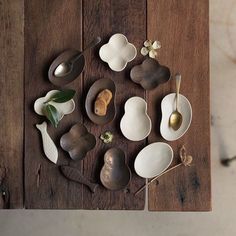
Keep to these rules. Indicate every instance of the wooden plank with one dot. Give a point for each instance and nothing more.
(183, 29)
(11, 102)
(104, 18)
(49, 30)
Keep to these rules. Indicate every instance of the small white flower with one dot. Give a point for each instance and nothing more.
(150, 48)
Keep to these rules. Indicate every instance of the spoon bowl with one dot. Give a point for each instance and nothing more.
(63, 69)
(175, 120)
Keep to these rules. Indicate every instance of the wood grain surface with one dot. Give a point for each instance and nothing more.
(48, 32)
(12, 103)
(182, 27)
(34, 33)
(109, 17)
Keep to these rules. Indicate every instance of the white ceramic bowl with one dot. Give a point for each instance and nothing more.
(117, 52)
(62, 108)
(153, 160)
(168, 105)
(135, 124)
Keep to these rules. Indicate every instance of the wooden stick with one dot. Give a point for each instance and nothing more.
(155, 178)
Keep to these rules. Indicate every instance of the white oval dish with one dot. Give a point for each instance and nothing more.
(135, 124)
(168, 105)
(62, 108)
(153, 160)
(117, 52)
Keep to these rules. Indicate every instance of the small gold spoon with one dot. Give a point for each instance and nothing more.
(176, 118)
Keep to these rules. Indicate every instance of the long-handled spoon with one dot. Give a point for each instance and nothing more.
(176, 118)
(66, 67)
(186, 160)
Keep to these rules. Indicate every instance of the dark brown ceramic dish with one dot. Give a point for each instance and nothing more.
(115, 174)
(74, 174)
(94, 90)
(150, 74)
(77, 68)
(78, 141)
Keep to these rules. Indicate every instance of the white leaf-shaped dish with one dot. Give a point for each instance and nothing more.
(153, 160)
(117, 52)
(168, 105)
(62, 108)
(135, 124)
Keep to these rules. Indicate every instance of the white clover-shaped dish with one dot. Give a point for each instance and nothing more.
(168, 105)
(117, 52)
(62, 108)
(135, 125)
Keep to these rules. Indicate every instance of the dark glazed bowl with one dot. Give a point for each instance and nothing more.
(77, 67)
(150, 74)
(77, 142)
(97, 87)
(115, 174)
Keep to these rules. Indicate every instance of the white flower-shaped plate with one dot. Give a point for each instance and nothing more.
(62, 108)
(168, 105)
(136, 125)
(153, 159)
(117, 52)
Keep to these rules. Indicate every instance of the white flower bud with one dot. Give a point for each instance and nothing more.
(156, 45)
(152, 54)
(147, 43)
(144, 51)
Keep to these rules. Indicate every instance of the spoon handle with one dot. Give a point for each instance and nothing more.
(155, 178)
(178, 81)
(90, 45)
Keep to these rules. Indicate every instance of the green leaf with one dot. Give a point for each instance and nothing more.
(52, 114)
(62, 96)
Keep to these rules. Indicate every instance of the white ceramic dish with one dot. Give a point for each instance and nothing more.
(153, 160)
(135, 124)
(117, 52)
(63, 108)
(167, 107)
(49, 146)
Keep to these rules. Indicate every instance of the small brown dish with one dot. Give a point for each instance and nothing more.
(93, 92)
(115, 174)
(150, 74)
(77, 67)
(77, 142)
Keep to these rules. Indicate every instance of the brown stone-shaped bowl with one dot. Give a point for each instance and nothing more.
(150, 74)
(77, 142)
(94, 90)
(78, 67)
(115, 174)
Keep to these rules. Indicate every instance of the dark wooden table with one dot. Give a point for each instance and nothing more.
(33, 33)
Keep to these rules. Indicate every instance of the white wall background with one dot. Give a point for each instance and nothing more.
(220, 222)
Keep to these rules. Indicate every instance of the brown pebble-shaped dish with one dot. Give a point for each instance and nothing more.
(78, 141)
(115, 174)
(150, 74)
(95, 89)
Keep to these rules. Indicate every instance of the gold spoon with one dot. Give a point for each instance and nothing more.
(176, 118)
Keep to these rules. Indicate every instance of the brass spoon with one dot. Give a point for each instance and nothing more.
(176, 118)
(66, 67)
